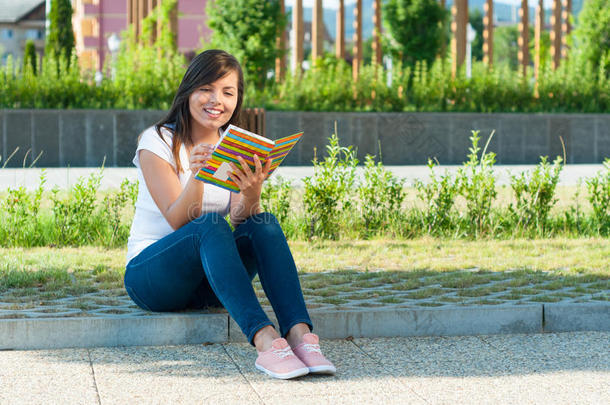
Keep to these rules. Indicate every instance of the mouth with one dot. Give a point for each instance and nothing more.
(212, 112)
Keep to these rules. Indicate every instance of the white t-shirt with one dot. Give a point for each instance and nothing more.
(149, 225)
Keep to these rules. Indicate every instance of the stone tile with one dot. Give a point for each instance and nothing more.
(512, 141)
(572, 350)
(555, 388)
(582, 130)
(99, 138)
(315, 136)
(559, 127)
(602, 128)
(72, 138)
(357, 374)
(435, 356)
(18, 133)
(128, 128)
(404, 139)
(51, 388)
(537, 139)
(461, 127)
(169, 374)
(283, 123)
(437, 130)
(68, 362)
(45, 133)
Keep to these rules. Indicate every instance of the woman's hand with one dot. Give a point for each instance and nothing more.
(199, 156)
(250, 183)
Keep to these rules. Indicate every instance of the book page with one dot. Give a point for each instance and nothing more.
(282, 148)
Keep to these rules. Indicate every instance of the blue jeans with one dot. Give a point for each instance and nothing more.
(205, 264)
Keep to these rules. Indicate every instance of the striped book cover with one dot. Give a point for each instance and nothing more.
(235, 142)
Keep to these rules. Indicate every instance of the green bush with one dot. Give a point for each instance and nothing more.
(21, 222)
(275, 198)
(477, 184)
(328, 193)
(534, 194)
(599, 197)
(381, 195)
(438, 196)
(333, 204)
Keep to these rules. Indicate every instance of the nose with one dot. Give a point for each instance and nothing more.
(214, 97)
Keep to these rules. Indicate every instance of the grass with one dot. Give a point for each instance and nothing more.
(341, 272)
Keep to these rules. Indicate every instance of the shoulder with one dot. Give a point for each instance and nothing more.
(160, 145)
(151, 136)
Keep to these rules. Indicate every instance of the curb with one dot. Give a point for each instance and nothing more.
(196, 328)
(576, 317)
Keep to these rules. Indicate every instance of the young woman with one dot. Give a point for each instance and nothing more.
(181, 252)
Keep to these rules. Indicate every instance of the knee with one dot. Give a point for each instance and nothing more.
(211, 221)
(266, 224)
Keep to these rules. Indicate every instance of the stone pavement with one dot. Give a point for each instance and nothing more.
(113, 176)
(563, 368)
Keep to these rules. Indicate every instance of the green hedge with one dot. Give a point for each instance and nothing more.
(145, 79)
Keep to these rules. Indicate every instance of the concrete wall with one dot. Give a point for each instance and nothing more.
(83, 137)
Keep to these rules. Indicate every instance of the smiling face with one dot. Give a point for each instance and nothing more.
(212, 105)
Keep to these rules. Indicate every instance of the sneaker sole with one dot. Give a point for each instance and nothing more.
(284, 376)
(322, 370)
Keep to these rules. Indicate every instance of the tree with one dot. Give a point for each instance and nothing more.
(29, 57)
(248, 29)
(592, 35)
(506, 48)
(60, 41)
(476, 20)
(414, 29)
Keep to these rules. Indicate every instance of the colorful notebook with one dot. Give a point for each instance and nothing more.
(235, 142)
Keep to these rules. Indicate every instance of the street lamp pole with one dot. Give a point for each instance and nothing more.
(114, 44)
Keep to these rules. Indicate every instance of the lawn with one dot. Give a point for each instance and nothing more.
(426, 271)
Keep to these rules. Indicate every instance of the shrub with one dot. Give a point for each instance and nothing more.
(111, 213)
(73, 214)
(599, 197)
(477, 184)
(534, 194)
(381, 196)
(327, 194)
(438, 196)
(275, 198)
(20, 210)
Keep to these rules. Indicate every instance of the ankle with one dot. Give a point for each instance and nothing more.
(295, 334)
(264, 337)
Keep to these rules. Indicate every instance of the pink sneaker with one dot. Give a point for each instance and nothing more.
(280, 361)
(309, 352)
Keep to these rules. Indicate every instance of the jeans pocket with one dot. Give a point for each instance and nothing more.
(134, 297)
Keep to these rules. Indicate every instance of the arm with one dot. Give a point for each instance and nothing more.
(178, 205)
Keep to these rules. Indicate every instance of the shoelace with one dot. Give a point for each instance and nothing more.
(285, 352)
(312, 347)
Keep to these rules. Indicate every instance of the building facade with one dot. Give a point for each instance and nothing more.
(94, 21)
(21, 21)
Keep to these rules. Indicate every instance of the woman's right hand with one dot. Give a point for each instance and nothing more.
(200, 154)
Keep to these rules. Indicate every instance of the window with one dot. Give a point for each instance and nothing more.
(6, 33)
(33, 34)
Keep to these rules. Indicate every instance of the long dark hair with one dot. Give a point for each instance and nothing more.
(205, 68)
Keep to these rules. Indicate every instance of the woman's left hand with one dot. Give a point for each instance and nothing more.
(250, 183)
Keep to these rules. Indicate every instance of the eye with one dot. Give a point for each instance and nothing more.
(228, 93)
(204, 89)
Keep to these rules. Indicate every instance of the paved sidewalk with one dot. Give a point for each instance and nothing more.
(565, 368)
(113, 176)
